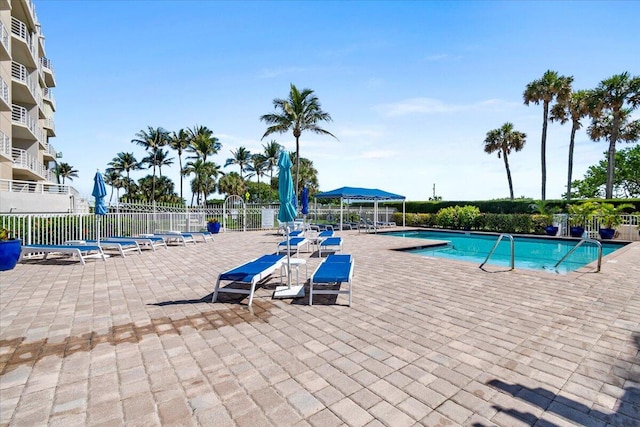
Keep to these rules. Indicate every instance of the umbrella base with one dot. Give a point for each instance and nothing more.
(289, 292)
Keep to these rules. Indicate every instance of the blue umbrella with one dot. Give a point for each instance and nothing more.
(287, 211)
(99, 192)
(305, 201)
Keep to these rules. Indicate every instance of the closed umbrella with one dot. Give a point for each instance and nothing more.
(305, 201)
(286, 214)
(99, 192)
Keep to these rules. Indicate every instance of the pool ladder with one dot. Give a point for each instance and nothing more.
(510, 237)
(580, 243)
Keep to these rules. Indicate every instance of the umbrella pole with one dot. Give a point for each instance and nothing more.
(288, 257)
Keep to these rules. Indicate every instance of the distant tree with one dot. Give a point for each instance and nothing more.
(575, 108)
(114, 179)
(232, 184)
(271, 154)
(152, 140)
(126, 162)
(551, 86)
(204, 181)
(180, 141)
(257, 166)
(158, 159)
(308, 174)
(613, 102)
(627, 176)
(503, 140)
(203, 143)
(65, 170)
(164, 189)
(259, 192)
(300, 112)
(241, 157)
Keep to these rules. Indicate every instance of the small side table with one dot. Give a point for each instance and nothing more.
(295, 263)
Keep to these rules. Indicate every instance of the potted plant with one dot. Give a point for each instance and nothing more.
(610, 217)
(213, 225)
(545, 214)
(578, 215)
(9, 250)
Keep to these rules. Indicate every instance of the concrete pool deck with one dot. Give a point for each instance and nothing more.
(427, 341)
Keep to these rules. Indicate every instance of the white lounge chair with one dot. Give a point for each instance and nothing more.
(106, 244)
(82, 252)
(144, 242)
(333, 244)
(294, 244)
(250, 273)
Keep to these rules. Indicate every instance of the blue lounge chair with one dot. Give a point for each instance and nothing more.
(148, 242)
(295, 243)
(250, 273)
(105, 244)
(82, 252)
(333, 270)
(330, 244)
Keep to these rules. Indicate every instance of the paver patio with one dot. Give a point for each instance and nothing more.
(136, 341)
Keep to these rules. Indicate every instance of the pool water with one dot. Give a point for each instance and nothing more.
(530, 252)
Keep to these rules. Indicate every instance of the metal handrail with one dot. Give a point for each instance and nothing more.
(496, 245)
(580, 243)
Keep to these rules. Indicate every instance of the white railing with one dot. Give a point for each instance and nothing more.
(47, 93)
(19, 72)
(21, 115)
(4, 90)
(4, 36)
(16, 186)
(46, 64)
(5, 144)
(19, 29)
(49, 124)
(22, 159)
(52, 151)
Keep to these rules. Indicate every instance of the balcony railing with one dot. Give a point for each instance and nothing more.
(22, 159)
(46, 63)
(5, 144)
(20, 30)
(49, 124)
(20, 115)
(4, 36)
(4, 90)
(52, 151)
(47, 93)
(19, 72)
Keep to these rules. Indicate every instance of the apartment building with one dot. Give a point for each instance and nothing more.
(27, 106)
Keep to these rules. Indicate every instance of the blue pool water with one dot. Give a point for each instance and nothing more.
(530, 252)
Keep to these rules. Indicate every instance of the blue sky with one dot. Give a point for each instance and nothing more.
(412, 87)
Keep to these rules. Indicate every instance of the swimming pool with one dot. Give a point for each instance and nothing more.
(530, 252)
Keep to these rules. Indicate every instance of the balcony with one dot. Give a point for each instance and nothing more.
(47, 71)
(24, 89)
(4, 43)
(50, 153)
(47, 96)
(5, 104)
(5, 145)
(23, 50)
(25, 125)
(50, 126)
(29, 166)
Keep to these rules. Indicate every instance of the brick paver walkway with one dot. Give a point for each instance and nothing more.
(429, 342)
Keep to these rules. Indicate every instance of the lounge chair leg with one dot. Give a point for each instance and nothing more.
(215, 292)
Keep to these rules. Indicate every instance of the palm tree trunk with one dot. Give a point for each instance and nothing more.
(506, 165)
(181, 176)
(543, 149)
(574, 128)
(611, 163)
(297, 164)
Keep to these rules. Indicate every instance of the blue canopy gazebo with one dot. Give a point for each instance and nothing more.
(356, 194)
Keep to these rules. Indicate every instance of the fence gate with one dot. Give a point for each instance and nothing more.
(234, 216)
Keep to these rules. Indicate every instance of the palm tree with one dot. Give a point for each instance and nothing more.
(271, 155)
(180, 141)
(613, 102)
(125, 162)
(203, 182)
(114, 179)
(241, 157)
(300, 112)
(152, 140)
(203, 143)
(575, 108)
(232, 184)
(159, 158)
(65, 170)
(257, 166)
(503, 140)
(551, 86)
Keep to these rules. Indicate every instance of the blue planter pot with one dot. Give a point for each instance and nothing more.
(551, 230)
(213, 227)
(9, 253)
(576, 231)
(607, 233)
